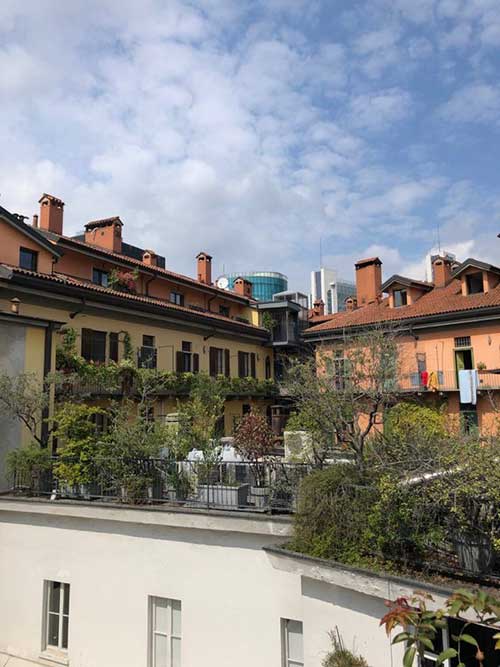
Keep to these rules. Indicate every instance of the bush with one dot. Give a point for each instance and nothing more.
(26, 463)
(340, 656)
(331, 518)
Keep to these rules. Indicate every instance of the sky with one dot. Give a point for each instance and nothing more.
(251, 129)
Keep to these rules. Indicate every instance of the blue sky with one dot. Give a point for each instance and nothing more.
(253, 129)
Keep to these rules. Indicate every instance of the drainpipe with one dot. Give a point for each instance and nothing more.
(146, 286)
(210, 301)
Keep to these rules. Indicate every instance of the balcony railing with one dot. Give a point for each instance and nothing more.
(444, 381)
(256, 487)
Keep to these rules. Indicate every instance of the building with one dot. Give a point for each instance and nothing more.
(326, 286)
(110, 292)
(444, 326)
(265, 284)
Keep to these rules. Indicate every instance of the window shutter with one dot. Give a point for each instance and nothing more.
(241, 364)
(252, 364)
(212, 362)
(227, 363)
(196, 362)
(178, 362)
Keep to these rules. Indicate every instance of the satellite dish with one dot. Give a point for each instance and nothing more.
(222, 283)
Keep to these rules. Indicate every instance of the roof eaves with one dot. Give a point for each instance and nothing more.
(29, 231)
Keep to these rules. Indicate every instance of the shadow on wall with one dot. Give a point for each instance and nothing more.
(367, 605)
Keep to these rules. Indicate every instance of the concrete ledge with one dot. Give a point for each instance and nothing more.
(376, 584)
(173, 517)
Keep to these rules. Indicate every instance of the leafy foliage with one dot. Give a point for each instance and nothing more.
(253, 437)
(340, 656)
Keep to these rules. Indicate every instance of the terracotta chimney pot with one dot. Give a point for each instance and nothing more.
(51, 213)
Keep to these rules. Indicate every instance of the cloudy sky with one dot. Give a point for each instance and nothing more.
(253, 128)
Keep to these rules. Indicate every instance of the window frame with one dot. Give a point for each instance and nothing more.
(33, 254)
(286, 659)
(224, 310)
(92, 344)
(100, 273)
(476, 276)
(168, 633)
(64, 596)
(177, 298)
(403, 293)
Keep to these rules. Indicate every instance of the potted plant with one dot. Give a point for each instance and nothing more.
(254, 440)
(124, 281)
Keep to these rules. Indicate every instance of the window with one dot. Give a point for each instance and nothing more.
(56, 615)
(474, 282)
(400, 298)
(113, 347)
(187, 361)
(147, 356)
(28, 259)
(224, 310)
(246, 364)
(292, 648)
(219, 362)
(100, 277)
(94, 345)
(462, 341)
(177, 298)
(268, 368)
(186, 357)
(165, 632)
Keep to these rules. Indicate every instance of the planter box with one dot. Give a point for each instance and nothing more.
(474, 553)
(224, 496)
(259, 495)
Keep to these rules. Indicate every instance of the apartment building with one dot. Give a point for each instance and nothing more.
(444, 327)
(112, 293)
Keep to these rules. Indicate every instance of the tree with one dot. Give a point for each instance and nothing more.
(341, 393)
(26, 399)
(254, 439)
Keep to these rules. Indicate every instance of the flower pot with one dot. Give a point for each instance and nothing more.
(259, 495)
(223, 496)
(474, 553)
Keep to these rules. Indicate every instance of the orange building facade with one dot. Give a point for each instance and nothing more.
(449, 325)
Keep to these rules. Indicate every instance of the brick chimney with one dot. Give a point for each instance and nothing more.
(350, 304)
(51, 213)
(441, 271)
(204, 268)
(149, 257)
(318, 308)
(105, 234)
(243, 287)
(368, 280)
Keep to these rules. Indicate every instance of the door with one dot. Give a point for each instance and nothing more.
(463, 361)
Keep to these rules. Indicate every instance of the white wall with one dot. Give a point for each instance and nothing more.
(233, 592)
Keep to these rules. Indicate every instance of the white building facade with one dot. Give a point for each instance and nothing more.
(327, 286)
(95, 585)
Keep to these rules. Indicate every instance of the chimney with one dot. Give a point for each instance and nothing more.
(441, 271)
(105, 234)
(318, 308)
(204, 268)
(149, 257)
(368, 280)
(243, 287)
(51, 213)
(350, 304)
(35, 220)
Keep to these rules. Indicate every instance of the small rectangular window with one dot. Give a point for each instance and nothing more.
(56, 615)
(147, 356)
(400, 298)
(177, 298)
(100, 277)
(224, 310)
(462, 341)
(474, 282)
(186, 346)
(113, 347)
(148, 341)
(292, 643)
(165, 632)
(28, 259)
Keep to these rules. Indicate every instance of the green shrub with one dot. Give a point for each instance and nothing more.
(331, 518)
(340, 656)
(26, 462)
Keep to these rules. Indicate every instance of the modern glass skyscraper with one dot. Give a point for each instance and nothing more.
(326, 285)
(264, 283)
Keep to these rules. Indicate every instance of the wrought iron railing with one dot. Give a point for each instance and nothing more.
(270, 486)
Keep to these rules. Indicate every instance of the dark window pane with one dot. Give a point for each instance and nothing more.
(94, 345)
(186, 346)
(53, 630)
(400, 297)
(224, 310)
(100, 277)
(113, 347)
(66, 593)
(54, 596)
(65, 629)
(474, 283)
(28, 259)
(148, 341)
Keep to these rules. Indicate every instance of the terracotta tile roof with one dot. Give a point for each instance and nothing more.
(63, 279)
(56, 239)
(440, 300)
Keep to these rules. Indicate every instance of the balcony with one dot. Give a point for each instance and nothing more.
(445, 381)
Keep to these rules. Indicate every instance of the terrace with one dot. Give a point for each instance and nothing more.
(445, 381)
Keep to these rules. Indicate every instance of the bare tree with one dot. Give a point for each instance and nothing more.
(343, 391)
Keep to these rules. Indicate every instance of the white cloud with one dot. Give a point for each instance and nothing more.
(380, 109)
(478, 102)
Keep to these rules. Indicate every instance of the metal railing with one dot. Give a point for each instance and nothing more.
(444, 381)
(270, 486)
